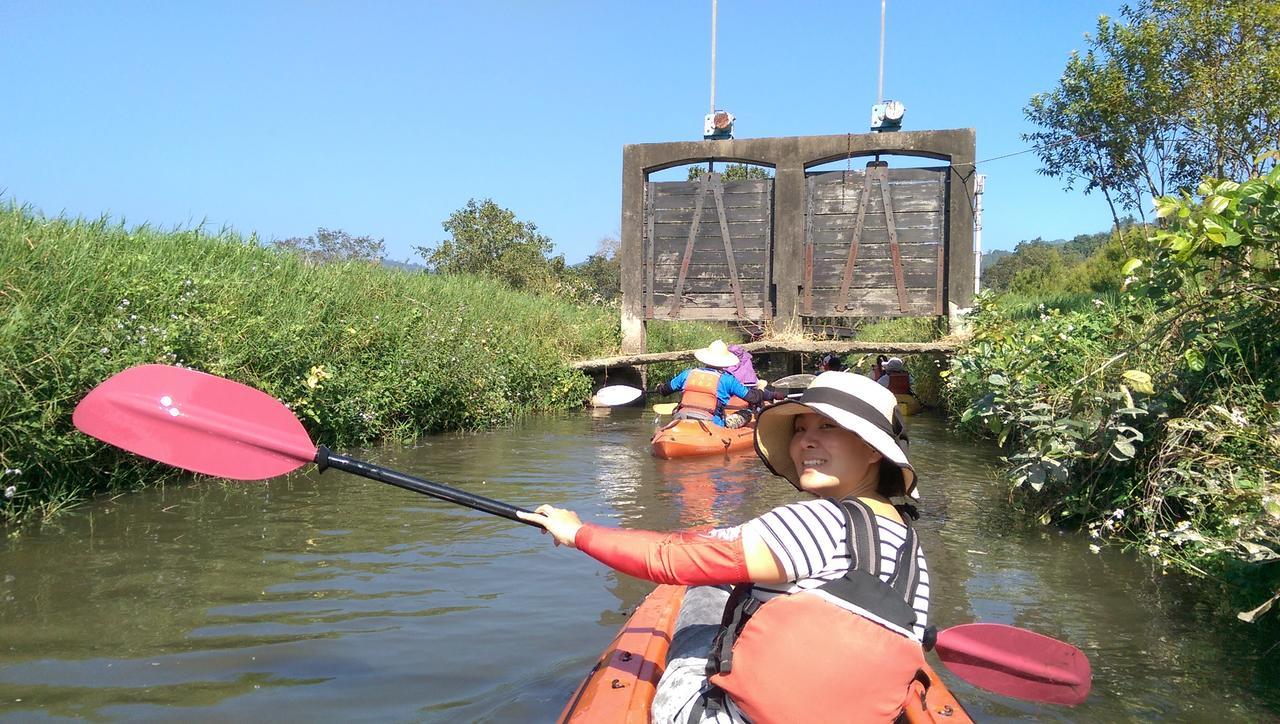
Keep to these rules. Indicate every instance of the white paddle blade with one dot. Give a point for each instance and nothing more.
(794, 381)
(615, 395)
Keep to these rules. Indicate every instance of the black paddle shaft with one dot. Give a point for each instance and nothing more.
(326, 458)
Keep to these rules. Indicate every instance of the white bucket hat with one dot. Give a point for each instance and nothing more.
(716, 354)
(894, 364)
(856, 403)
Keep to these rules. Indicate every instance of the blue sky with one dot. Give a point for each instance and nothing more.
(383, 118)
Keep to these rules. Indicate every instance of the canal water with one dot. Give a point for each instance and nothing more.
(334, 598)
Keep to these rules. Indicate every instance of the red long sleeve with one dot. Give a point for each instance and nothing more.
(690, 559)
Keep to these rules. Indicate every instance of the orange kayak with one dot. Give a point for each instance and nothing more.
(622, 684)
(686, 438)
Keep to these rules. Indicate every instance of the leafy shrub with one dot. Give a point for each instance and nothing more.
(358, 351)
(1152, 417)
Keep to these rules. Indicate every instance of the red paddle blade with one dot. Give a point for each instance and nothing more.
(1016, 662)
(195, 421)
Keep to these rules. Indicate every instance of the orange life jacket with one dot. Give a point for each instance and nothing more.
(899, 383)
(839, 652)
(700, 394)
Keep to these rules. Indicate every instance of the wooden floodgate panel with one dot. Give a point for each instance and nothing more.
(708, 249)
(875, 242)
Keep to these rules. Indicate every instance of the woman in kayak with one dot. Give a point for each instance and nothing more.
(830, 597)
(706, 390)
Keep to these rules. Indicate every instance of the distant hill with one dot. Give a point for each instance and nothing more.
(1081, 245)
(410, 266)
(991, 257)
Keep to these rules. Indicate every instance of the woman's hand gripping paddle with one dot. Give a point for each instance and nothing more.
(210, 425)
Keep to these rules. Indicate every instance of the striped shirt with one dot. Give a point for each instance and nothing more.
(809, 539)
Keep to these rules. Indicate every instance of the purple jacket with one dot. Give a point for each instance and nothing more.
(745, 373)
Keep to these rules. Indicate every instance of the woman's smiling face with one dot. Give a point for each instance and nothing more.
(831, 461)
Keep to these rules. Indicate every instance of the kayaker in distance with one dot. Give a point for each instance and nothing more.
(706, 390)
(831, 595)
(830, 362)
(877, 367)
(896, 377)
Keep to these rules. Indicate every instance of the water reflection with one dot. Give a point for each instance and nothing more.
(332, 597)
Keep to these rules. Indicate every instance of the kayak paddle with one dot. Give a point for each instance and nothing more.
(665, 408)
(794, 381)
(214, 426)
(615, 395)
(1016, 662)
(211, 425)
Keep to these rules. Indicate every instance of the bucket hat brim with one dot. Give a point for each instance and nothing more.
(716, 354)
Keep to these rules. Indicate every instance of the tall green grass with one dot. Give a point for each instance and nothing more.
(358, 351)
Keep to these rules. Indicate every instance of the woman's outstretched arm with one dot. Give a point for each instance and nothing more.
(687, 558)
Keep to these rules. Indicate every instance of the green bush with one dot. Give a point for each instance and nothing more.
(360, 352)
(1150, 417)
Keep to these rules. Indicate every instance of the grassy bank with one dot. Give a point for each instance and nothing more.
(358, 351)
(1148, 416)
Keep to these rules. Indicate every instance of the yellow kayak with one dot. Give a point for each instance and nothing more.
(908, 404)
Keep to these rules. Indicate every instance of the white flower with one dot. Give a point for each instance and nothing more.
(1234, 520)
(104, 350)
(10, 491)
(1098, 303)
(1118, 513)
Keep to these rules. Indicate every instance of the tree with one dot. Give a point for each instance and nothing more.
(489, 240)
(330, 245)
(1031, 262)
(732, 172)
(599, 278)
(1175, 91)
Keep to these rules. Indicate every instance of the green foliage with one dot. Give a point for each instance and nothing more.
(1087, 265)
(330, 245)
(1175, 91)
(1152, 418)
(598, 280)
(733, 172)
(359, 352)
(1032, 267)
(488, 240)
